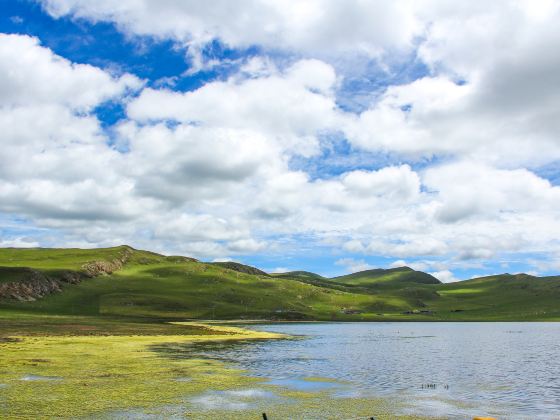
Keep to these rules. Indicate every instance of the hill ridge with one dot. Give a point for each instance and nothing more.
(378, 276)
(151, 285)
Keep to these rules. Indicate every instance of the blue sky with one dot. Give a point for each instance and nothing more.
(267, 134)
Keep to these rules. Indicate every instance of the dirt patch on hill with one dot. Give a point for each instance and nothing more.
(34, 284)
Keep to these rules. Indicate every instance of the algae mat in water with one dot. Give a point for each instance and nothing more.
(120, 377)
(63, 376)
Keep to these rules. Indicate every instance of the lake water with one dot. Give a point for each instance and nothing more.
(455, 370)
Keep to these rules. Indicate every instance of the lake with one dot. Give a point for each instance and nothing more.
(454, 370)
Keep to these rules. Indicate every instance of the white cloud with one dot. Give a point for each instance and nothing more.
(308, 26)
(211, 172)
(33, 75)
(199, 228)
(445, 276)
(290, 108)
(493, 93)
(395, 183)
(55, 163)
(18, 242)
(189, 163)
(246, 246)
(222, 260)
(416, 265)
(352, 265)
(408, 245)
(468, 189)
(278, 270)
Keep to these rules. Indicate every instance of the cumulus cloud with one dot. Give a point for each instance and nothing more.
(470, 189)
(18, 242)
(290, 107)
(308, 26)
(278, 270)
(211, 171)
(352, 265)
(55, 162)
(43, 78)
(187, 163)
(493, 85)
(197, 178)
(445, 276)
(397, 183)
(417, 265)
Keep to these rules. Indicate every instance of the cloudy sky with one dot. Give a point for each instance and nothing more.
(325, 135)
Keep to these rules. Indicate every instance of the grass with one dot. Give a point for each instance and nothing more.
(59, 374)
(90, 351)
(152, 286)
(392, 276)
(66, 259)
(80, 367)
(13, 274)
(501, 298)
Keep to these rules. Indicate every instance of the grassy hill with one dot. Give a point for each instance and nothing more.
(504, 297)
(299, 274)
(151, 285)
(124, 282)
(241, 268)
(392, 276)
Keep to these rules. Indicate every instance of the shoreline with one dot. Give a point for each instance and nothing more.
(104, 376)
(349, 321)
(58, 374)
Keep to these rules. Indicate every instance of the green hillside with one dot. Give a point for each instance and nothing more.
(505, 297)
(299, 274)
(391, 276)
(241, 268)
(69, 258)
(124, 282)
(151, 285)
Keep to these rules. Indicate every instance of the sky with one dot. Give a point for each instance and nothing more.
(314, 135)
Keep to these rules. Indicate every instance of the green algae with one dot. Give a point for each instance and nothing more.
(121, 377)
(106, 373)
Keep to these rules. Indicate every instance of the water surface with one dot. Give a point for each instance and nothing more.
(457, 370)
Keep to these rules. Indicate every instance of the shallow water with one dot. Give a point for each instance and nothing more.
(231, 400)
(40, 378)
(457, 370)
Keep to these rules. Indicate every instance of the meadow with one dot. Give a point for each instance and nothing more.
(80, 329)
(154, 286)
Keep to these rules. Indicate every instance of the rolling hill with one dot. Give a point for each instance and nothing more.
(391, 276)
(299, 274)
(125, 282)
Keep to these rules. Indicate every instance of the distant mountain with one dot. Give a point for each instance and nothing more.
(241, 268)
(299, 274)
(381, 276)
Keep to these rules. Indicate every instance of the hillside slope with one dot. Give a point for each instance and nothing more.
(504, 297)
(387, 277)
(241, 268)
(298, 274)
(124, 282)
(152, 285)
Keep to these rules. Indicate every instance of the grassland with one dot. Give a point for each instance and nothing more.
(89, 348)
(68, 367)
(59, 373)
(393, 276)
(152, 286)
